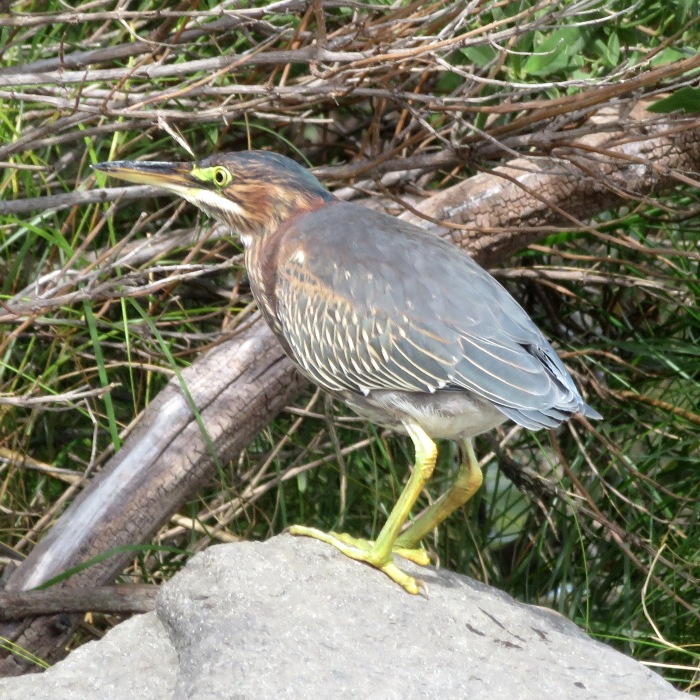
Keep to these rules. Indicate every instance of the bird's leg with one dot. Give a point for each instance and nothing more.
(380, 552)
(466, 484)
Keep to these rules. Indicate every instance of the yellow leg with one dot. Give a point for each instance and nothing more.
(380, 552)
(466, 484)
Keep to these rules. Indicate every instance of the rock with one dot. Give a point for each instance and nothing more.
(133, 660)
(292, 618)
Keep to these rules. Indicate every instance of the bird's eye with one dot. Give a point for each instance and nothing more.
(221, 177)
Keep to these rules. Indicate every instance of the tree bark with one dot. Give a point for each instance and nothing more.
(126, 599)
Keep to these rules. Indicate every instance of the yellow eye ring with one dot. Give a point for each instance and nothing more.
(221, 177)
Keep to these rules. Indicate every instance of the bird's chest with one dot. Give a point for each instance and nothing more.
(262, 278)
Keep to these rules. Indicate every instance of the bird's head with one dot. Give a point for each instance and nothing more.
(252, 192)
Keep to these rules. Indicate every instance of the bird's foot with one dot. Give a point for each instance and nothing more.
(366, 551)
(414, 554)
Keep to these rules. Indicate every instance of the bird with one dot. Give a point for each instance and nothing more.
(401, 325)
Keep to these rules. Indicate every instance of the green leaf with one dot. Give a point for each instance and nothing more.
(609, 52)
(448, 81)
(480, 56)
(613, 50)
(686, 99)
(556, 52)
(667, 55)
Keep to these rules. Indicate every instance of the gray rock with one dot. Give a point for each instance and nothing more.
(292, 618)
(133, 660)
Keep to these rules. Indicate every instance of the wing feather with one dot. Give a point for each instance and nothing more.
(397, 309)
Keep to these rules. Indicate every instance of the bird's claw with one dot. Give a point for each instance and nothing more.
(364, 550)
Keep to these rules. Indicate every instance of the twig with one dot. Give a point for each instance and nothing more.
(128, 599)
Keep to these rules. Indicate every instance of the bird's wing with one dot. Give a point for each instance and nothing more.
(370, 302)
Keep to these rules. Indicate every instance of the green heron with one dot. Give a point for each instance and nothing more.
(404, 327)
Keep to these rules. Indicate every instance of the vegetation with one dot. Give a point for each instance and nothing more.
(426, 94)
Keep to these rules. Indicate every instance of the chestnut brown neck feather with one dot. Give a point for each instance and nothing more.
(266, 206)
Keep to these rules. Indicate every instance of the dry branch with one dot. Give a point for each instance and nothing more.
(644, 157)
(122, 600)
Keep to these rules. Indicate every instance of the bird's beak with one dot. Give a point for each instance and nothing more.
(171, 176)
(180, 179)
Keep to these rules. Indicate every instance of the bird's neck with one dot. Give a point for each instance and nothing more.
(270, 208)
(262, 256)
